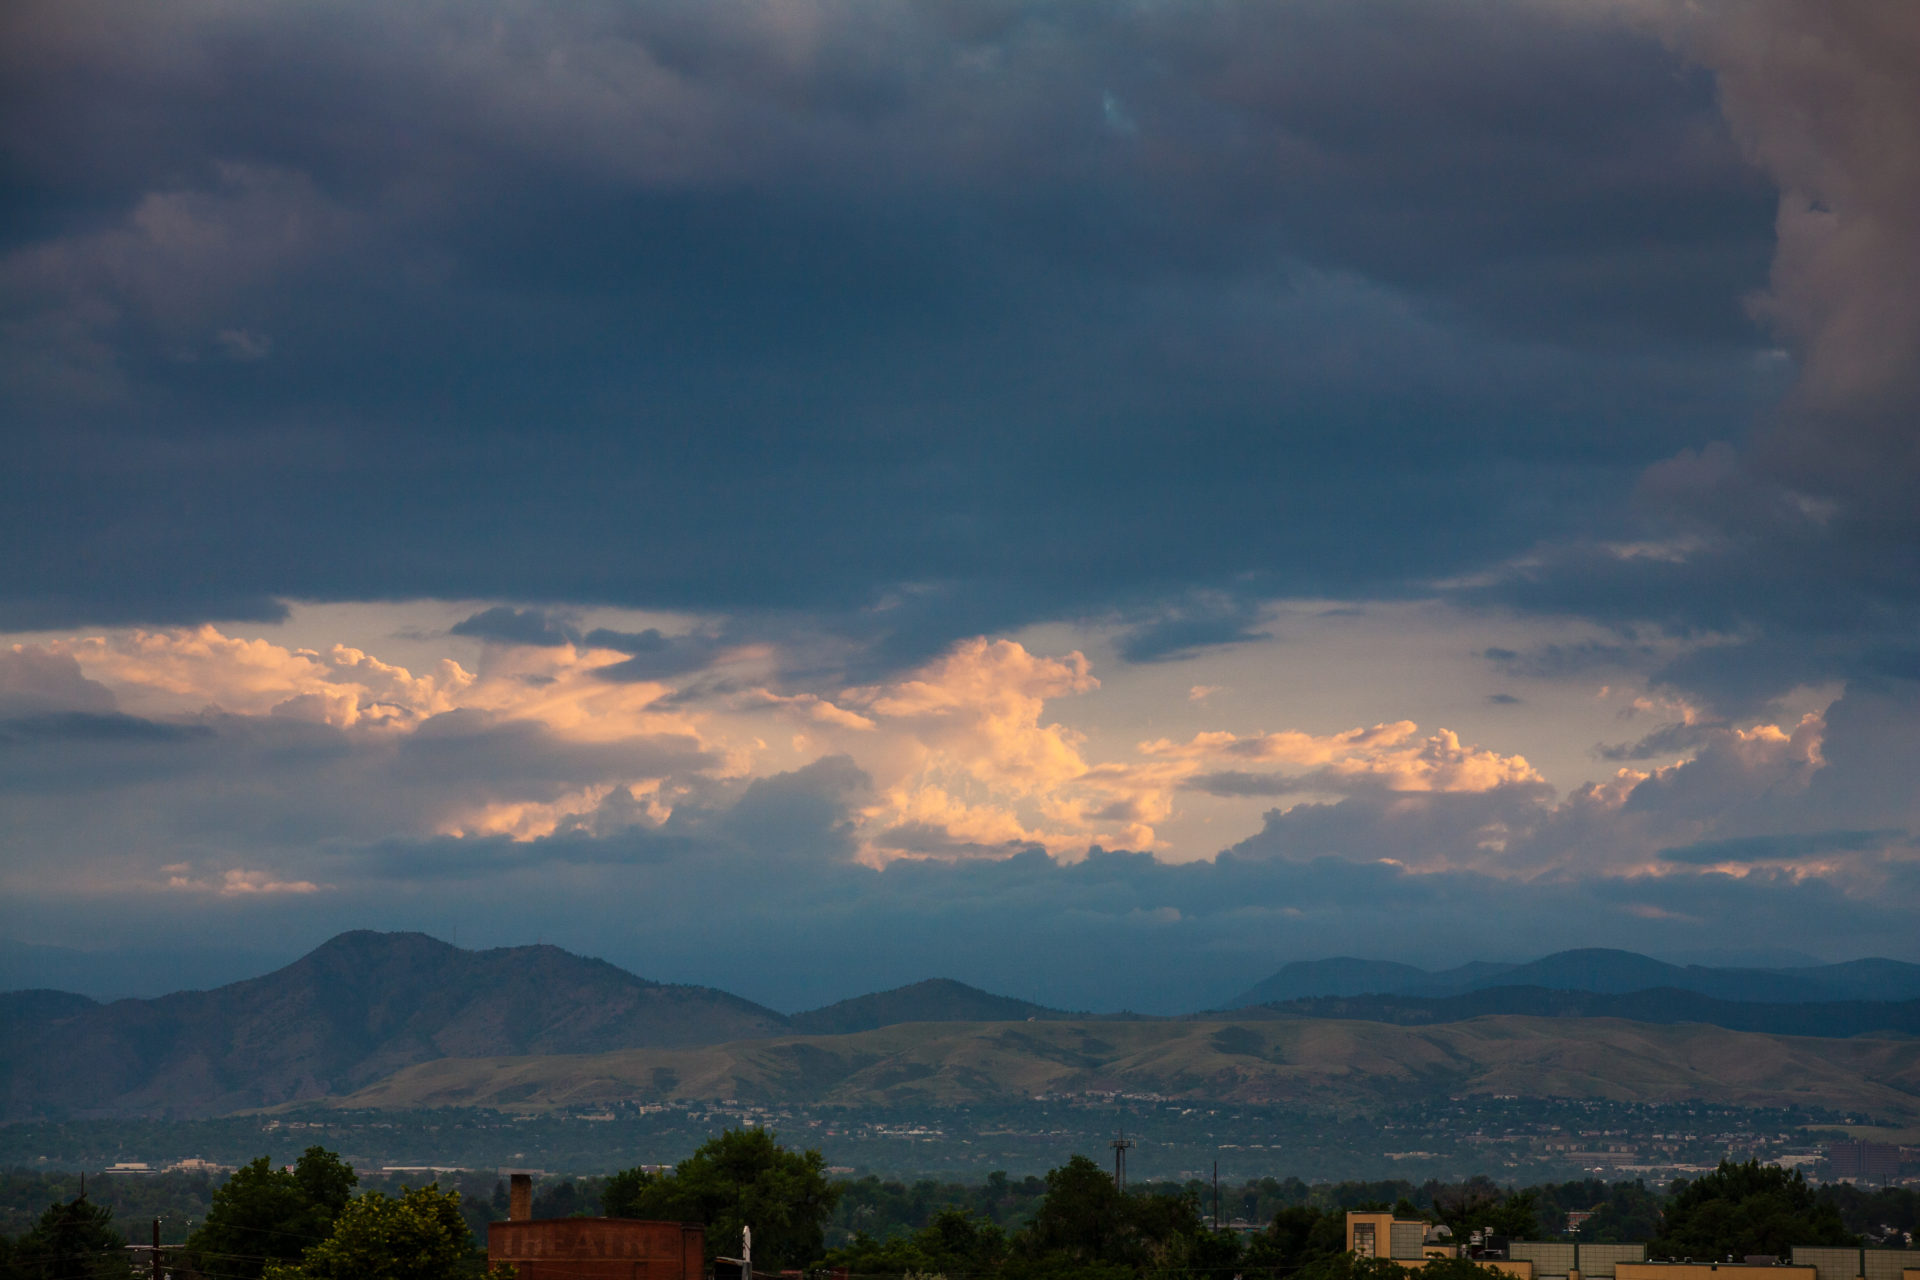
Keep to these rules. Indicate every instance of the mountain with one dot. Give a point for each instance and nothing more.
(1340, 976)
(935, 1000)
(1831, 1018)
(24, 1008)
(358, 1008)
(1302, 1061)
(1595, 969)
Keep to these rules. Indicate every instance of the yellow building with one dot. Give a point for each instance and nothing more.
(1381, 1235)
(1710, 1271)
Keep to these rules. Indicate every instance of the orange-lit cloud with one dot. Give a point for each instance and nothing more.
(1390, 757)
(965, 756)
(235, 883)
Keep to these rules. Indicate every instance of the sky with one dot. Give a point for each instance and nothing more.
(1095, 501)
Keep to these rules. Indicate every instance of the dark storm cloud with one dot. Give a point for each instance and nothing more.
(504, 624)
(1780, 848)
(1186, 630)
(1800, 552)
(28, 731)
(875, 314)
(1558, 661)
(1667, 742)
(656, 656)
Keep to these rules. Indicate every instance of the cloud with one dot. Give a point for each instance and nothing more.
(235, 882)
(1780, 848)
(1386, 757)
(506, 625)
(1191, 629)
(931, 341)
(599, 841)
(891, 345)
(1795, 547)
(37, 681)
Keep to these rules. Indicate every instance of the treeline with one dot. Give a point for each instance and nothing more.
(313, 1221)
(304, 1222)
(1084, 1225)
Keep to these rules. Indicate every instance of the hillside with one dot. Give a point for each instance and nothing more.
(1306, 1061)
(1596, 969)
(935, 1000)
(356, 1009)
(1835, 1018)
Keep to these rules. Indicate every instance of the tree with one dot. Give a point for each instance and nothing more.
(420, 1236)
(955, 1243)
(561, 1201)
(262, 1215)
(1083, 1216)
(1630, 1212)
(1298, 1234)
(74, 1240)
(619, 1195)
(1745, 1209)
(1085, 1226)
(1348, 1266)
(1479, 1205)
(741, 1178)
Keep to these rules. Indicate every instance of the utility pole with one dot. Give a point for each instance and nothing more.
(1216, 1195)
(156, 1249)
(1120, 1146)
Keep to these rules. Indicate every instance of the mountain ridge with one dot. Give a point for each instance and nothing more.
(1301, 1061)
(366, 1005)
(1835, 1019)
(1602, 970)
(930, 1000)
(360, 1006)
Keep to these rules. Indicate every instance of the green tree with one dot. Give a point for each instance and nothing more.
(1348, 1266)
(262, 1215)
(619, 1195)
(955, 1242)
(1083, 1217)
(1744, 1209)
(419, 1236)
(1630, 1212)
(74, 1240)
(1884, 1215)
(1086, 1226)
(1479, 1205)
(741, 1178)
(1298, 1234)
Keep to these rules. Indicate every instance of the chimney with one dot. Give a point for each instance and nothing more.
(519, 1197)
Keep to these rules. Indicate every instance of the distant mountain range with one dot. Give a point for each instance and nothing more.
(1831, 1019)
(365, 1006)
(1594, 969)
(935, 1000)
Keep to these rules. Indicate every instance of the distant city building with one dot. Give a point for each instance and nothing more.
(1863, 1161)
